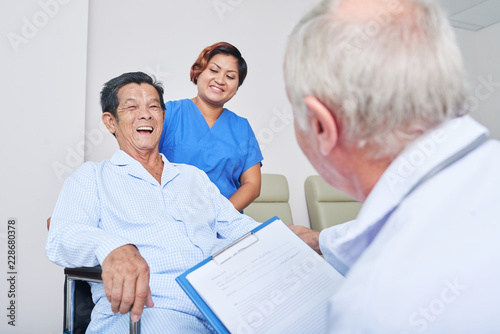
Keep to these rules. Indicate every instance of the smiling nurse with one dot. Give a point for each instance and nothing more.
(201, 132)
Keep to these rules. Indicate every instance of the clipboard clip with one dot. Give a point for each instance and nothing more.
(231, 250)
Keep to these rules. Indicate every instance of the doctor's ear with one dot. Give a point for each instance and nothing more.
(323, 124)
(109, 121)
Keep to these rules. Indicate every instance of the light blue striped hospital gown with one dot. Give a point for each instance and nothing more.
(174, 225)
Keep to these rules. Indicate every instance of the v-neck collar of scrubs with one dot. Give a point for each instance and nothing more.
(202, 118)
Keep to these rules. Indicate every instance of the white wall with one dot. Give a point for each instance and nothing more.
(481, 51)
(42, 89)
(47, 107)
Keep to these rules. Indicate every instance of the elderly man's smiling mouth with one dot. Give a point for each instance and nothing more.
(145, 129)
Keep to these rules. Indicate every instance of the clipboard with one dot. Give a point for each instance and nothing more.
(258, 255)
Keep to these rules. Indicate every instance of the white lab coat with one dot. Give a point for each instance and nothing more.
(434, 265)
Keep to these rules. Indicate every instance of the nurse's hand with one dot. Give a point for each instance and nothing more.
(125, 275)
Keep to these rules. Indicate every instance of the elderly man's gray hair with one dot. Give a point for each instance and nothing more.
(387, 78)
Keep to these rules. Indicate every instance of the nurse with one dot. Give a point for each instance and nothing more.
(201, 132)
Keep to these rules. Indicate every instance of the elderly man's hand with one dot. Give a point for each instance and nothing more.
(309, 236)
(125, 274)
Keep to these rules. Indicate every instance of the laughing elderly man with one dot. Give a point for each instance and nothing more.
(142, 218)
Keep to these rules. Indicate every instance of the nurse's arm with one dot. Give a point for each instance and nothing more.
(249, 189)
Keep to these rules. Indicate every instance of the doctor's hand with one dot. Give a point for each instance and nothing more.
(309, 236)
(125, 275)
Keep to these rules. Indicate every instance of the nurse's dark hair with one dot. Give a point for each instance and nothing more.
(109, 92)
(218, 48)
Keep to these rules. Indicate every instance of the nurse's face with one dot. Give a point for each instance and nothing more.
(218, 83)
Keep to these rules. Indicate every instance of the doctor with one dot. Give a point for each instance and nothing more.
(380, 106)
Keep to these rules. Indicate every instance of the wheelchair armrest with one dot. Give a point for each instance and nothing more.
(85, 273)
(89, 274)
(78, 302)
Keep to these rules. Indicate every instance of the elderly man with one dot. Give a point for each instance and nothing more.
(377, 89)
(142, 218)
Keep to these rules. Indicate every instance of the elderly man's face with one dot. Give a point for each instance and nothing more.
(140, 119)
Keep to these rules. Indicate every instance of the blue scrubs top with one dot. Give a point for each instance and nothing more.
(224, 151)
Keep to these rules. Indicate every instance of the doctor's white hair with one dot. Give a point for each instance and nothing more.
(387, 79)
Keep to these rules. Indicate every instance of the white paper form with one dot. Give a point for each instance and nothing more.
(271, 282)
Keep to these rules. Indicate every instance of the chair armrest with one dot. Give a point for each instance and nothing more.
(92, 274)
(85, 273)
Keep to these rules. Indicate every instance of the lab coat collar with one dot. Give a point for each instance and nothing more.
(400, 177)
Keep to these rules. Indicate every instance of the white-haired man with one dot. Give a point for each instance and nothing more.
(379, 100)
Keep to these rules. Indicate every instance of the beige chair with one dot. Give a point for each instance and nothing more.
(273, 200)
(326, 205)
